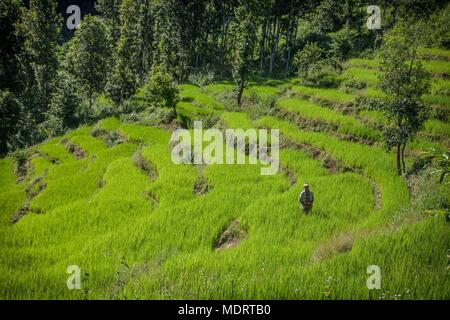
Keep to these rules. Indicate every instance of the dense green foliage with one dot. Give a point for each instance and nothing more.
(143, 231)
(204, 41)
(404, 81)
(87, 179)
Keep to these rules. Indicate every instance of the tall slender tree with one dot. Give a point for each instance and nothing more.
(11, 46)
(124, 79)
(244, 30)
(88, 56)
(110, 11)
(169, 54)
(41, 29)
(404, 80)
(11, 75)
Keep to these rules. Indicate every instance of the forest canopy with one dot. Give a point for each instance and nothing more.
(51, 81)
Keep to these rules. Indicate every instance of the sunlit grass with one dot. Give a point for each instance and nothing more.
(237, 120)
(437, 127)
(441, 86)
(200, 99)
(437, 53)
(345, 124)
(332, 95)
(437, 67)
(368, 76)
(363, 63)
(438, 100)
(152, 237)
(263, 90)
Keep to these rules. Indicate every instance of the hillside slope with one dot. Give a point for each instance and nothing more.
(109, 199)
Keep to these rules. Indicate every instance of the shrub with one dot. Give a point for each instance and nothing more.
(102, 108)
(150, 117)
(264, 106)
(20, 159)
(210, 121)
(64, 108)
(135, 104)
(161, 89)
(342, 43)
(202, 78)
(10, 111)
(325, 77)
(308, 60)
(352, 85)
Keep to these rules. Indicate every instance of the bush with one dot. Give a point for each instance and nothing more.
(308, 60)
(64, 108)
(202, 78)
(161, 90)
(352, 85)
(324, 77)
(135, 104)
(150, 117)
(228, 99)
(102, 108)
(442, 114)
(98, 132)
(20, 160)
(265, 106)
(210, 121)
(438, 29)
(342, 43)
(10, 112)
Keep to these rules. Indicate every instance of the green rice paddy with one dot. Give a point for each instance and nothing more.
(143, 232)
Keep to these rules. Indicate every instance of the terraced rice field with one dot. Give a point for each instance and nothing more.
(141, 227)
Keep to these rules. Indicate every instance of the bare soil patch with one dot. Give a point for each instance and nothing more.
(232, 236)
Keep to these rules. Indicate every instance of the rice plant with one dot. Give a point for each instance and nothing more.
(139, 233)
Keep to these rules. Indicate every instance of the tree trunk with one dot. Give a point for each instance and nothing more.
(90, 99)
(273, 49)
(261, 49)
(224, 43)
(121, 95)
(394, 14)
(403, 157)
(288, 38)
(399, 165)
(292, 35)
(196, 60)
(3, 147)
(240, 92)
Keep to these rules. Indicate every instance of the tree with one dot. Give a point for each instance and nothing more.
(161, 89)
(88, 56)
(10, 113)
(309, 59)
(146, 35)
(11, 46)
(125, 75)
(11, 73)
(439, 28)
(109, 9)
(341, 46)
(63, 113)
(169, 51)
(404, 80)
(41, 30)
(244, 30)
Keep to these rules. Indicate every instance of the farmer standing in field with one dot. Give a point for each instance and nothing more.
(306, 199)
